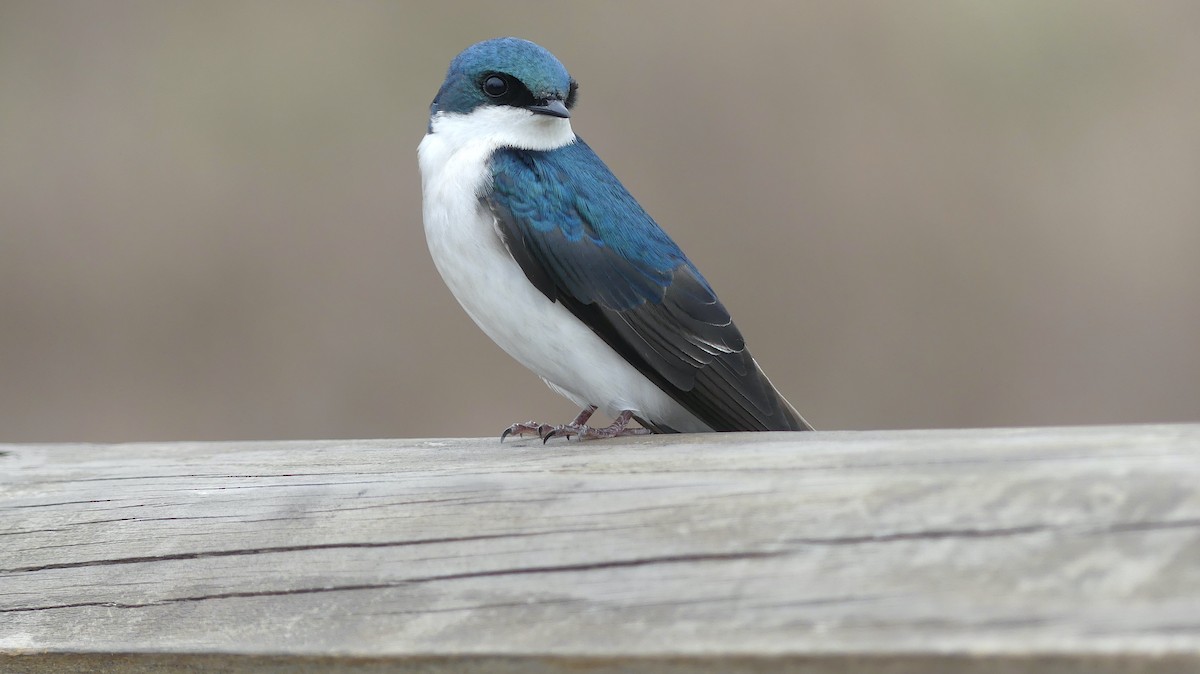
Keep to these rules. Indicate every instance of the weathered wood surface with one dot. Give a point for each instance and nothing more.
(923, 551)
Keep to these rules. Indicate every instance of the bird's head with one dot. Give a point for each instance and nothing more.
(508, 84)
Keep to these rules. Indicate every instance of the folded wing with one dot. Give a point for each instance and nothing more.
(584, 241)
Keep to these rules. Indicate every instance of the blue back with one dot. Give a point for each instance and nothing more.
(594, 235)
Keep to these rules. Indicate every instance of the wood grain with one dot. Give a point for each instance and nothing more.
(1076, 549)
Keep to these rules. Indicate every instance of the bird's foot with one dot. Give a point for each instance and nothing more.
(578, 428)
(584, 432)
(543, 430)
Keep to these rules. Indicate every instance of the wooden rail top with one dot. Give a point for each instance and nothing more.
(1013, 550)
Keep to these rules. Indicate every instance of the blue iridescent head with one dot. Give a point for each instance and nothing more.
(506, 71)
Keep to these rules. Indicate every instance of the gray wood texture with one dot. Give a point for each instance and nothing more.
(1063, 549)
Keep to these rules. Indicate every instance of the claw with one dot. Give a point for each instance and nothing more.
(563, 431)
(519, 429)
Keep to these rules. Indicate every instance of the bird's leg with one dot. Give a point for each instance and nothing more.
(616, 429)
(543, 429)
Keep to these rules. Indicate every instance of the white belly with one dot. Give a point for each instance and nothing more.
(489, 284)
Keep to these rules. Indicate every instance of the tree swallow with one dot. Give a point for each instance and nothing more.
(560, 266)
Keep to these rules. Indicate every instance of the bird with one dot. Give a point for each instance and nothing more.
(561, 267)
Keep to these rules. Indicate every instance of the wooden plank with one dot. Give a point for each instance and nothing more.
(919, 551)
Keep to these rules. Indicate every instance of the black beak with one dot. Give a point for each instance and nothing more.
(553, 108)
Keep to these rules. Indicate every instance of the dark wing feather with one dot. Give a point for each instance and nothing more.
(585, 242)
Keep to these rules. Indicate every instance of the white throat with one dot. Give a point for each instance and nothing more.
(496, 126)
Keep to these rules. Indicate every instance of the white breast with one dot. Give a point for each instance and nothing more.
(489, 284)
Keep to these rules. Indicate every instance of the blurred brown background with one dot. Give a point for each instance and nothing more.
(922, 214)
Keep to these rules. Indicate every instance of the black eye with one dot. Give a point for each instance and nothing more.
(495, 86)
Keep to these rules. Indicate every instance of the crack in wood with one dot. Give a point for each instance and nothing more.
(934, 534)
(561, 568)
(611, 564)
(238, 552)
(60, 503)
(206, 597)
(929, 534)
